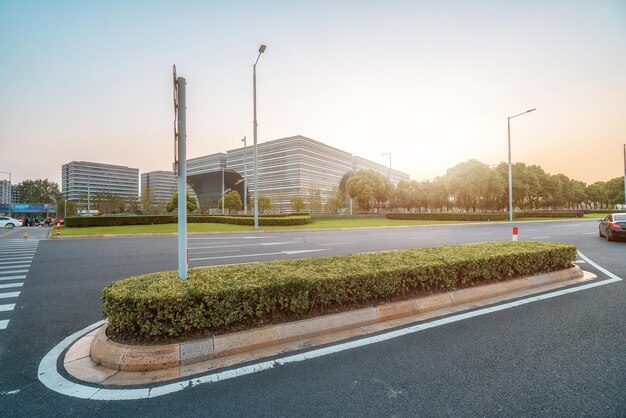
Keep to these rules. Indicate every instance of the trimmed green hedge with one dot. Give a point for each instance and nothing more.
(159, 306)
(83, 221)
(479, 216)
(450, 216)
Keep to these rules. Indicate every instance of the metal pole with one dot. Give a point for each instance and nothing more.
(256, 165)
(65, 210)
(89, 192)
(510, 173)
(182, 180)
(245, 177)
(222, 190)
(625, 176)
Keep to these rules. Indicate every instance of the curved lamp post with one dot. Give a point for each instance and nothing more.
(256, 166)
(510, 169)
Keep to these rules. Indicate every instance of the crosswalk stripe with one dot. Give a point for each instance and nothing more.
(9, 307)
(6, 286)
(9, 295)
(15, 271)
(3, 324)
(12, 277)
(14, 267)
(18, 260)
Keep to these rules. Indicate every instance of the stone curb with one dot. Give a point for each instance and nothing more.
(141, 358)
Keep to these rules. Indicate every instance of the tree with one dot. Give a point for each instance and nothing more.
(370, 189)
(335, 202)
(232, 201)
(172, 205)
(40, 191)
(467, 183)
(297, 203)
(265, 203)
(314, 200)
(105, 202)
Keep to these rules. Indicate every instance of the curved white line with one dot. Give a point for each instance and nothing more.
(50, 377)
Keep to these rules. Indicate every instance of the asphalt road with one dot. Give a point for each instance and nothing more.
(563, 356)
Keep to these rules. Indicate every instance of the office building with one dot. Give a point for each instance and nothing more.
(81, 178)
(158, 186)
(16, 194)
(293, 166)
(5, 191)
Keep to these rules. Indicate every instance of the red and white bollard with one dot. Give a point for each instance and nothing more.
(515, 230)
(58, 227)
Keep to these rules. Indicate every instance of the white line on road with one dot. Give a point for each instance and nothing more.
(3, 324)
(9, 307)
(258, 255)
(9, 295)
(339, 243)
(215, 252)
(264, 244)
(7, 286)
(589, 233)
(484, 233)
(14, 266)
(17, 260)
(12, 277)
(540, 237)
(419, 237)
(15, 271)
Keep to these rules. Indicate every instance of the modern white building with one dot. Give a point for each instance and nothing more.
(80, 179)
(293, 166)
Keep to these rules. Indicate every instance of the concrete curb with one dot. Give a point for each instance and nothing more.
(136, 358)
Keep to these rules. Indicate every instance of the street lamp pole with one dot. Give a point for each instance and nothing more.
(624, 176)
(222, 190)
(510, 167)
(256, 165)
(245, 177)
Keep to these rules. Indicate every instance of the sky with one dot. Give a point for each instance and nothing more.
(432, 82)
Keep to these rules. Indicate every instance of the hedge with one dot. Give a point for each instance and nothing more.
(159, 306)
(83, 221)
(479, 216)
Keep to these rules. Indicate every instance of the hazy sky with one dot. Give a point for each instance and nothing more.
(432, 82)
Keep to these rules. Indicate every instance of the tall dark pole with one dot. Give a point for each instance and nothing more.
(256, 165)
(624, 176)
(510, 167)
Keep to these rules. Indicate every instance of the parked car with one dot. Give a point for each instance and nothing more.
(9, 223)
(613, 226)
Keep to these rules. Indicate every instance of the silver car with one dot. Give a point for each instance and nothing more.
(9, 223)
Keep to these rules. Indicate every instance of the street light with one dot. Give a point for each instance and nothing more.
(624, 176)
(256, 166)
(510, 169)
(245, 177)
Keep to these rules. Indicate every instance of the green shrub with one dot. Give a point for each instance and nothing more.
(549, 214)
(160, 306)
(450, 216)
(83, 221)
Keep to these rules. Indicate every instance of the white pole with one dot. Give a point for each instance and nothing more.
(222, 190)
(510, 174)
(245, 177)
(625, 176)
(182, 180)
(256, 165)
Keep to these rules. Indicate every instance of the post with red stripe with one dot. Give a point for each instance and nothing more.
(515, 230)
(58, 227)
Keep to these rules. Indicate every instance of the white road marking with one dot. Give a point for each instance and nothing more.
(540, 237)
(244, 245)
(339, 243)
(14, 266)
(419, 237)
(580, 261)
(10, 392)
(17, 260)
(4, 323)
(589, 233)
(17, 252)
(484, 233)
(50, 377)
(12, 277)
(9, 295)
(258, 255)
(5, 308)
(215, 252)
(15, 271)
(6, 286)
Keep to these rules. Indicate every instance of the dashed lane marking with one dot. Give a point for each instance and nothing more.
(51, 378)
(540, 237)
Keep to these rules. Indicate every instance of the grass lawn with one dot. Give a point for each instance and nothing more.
(316, 224)
(210, 227)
